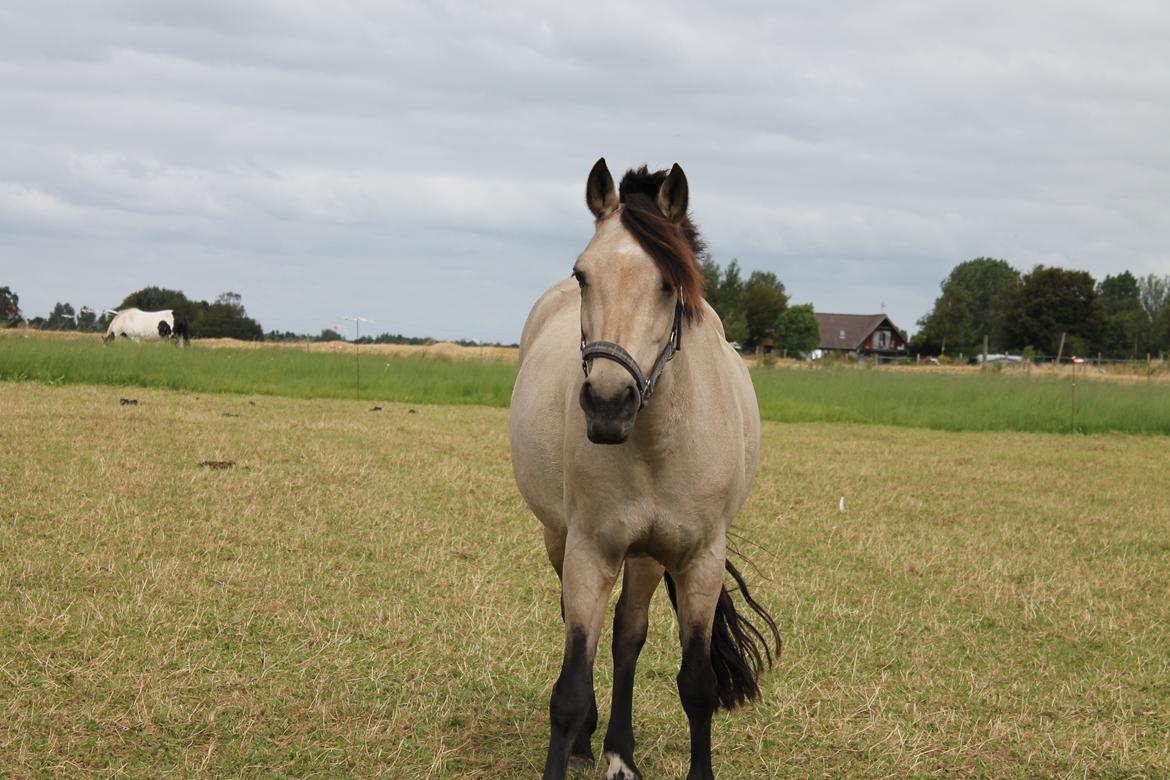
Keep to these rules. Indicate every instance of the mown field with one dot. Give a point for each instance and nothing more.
(904, 397)
(364, 594)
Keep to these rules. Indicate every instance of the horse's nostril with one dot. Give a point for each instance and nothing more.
(622, 404)
(588, 399)
(629, 402)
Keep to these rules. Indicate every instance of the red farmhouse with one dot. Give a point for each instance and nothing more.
(863, 334)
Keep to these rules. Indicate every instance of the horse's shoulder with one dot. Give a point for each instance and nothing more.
(561, 296)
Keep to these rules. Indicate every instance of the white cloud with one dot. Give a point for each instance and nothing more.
(423, 162)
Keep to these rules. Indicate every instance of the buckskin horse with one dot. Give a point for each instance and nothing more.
(635, 437)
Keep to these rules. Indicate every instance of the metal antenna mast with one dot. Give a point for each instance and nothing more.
(357, 354)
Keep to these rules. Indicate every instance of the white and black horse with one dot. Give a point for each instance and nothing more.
(137, 325)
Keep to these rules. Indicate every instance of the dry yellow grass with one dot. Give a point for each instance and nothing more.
(364, 594)
(440, 350)
(1136, 371)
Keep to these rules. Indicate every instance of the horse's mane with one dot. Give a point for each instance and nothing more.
(675, 249)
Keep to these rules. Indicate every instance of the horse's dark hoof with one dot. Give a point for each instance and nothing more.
(581, 763)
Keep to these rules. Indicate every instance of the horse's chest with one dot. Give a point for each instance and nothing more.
(656, 525)
(671, 537)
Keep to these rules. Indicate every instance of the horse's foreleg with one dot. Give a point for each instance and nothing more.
(641, 579)
(582, 752)
(699, 586)
(586, 582)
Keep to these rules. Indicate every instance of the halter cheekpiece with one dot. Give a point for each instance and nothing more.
(618, 354)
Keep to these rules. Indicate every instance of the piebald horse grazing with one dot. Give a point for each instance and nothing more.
(627, 353)
(136, 325)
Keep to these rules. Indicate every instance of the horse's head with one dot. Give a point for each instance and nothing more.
(639, 282)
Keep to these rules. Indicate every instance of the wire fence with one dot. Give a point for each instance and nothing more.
(1148, 366)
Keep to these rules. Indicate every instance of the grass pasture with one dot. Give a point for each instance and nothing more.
(381, 375)
(905, 397)
(364, 594)
(995, 401)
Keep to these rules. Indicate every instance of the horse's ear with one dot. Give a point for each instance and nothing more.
(600, 195)
(673, 195)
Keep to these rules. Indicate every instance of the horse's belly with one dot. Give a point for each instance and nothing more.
(536, 465)
(537, 425)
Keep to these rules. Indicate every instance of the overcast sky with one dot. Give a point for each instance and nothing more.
(423, 164)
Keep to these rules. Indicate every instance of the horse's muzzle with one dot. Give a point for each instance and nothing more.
(609, 420)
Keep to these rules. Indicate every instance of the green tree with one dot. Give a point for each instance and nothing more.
(226, 318)
(735, 327)
(977, 299)
(1053, 301)
(730, 291)
(86, 319)
(797, 330)
(710, 272)
(156, 299)
(1119, 293)
(1127, 326)
(1159, 340)
(724, 291)
(9, 308)
(231, 299)
(1154, 294)
(62, 318)
(329, 334)
(764, 300)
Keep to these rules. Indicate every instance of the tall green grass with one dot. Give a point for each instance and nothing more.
(963, 402)
(987, 402)
(285, 372)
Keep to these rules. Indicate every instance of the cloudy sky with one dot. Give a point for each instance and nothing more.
(423, 164)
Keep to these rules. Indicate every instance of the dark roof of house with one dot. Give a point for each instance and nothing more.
(849, 331)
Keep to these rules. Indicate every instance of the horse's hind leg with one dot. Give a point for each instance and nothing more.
(699, 587)
(641, 579)
(587, 580)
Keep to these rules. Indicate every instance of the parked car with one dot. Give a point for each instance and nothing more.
(998, 358)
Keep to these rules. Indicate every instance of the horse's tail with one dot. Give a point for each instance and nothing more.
(740, 652)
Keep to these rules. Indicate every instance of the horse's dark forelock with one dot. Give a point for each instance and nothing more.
(675, 248)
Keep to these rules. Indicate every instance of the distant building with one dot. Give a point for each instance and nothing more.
(862, 334)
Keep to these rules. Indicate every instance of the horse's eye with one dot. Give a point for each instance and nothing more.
(666, 286)
(580, 277)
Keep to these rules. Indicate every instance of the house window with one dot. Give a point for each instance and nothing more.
(882, 339)
(841, 334)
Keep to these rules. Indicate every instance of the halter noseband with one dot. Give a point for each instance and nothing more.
(618, 354)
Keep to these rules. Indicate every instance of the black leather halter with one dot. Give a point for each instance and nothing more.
(618, 354)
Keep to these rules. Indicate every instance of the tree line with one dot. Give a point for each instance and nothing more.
(62, 317)
(1122, 316)
(225, 317)
(755, 311)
